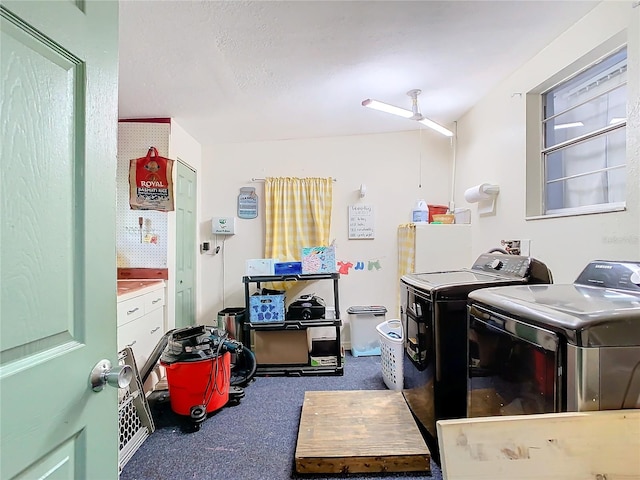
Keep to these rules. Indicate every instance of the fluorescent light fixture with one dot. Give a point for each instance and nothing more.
(385, 107)
(617, 120)
(437, 127)
(561, 126)
(410, 114)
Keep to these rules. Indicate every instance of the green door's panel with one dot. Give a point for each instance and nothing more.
(185, 245)
(58, 465)
(58, 114)
(39, 73)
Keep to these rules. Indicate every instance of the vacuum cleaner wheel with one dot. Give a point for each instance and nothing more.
(198, 414)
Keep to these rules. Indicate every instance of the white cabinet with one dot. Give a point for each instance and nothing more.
(141, 317)
(442, 247)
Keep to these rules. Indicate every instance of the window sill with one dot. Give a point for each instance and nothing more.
(574, 212)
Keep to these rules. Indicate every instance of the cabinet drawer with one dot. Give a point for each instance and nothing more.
(154, 300)
(142, 335)
(128, 337)
(131, 309)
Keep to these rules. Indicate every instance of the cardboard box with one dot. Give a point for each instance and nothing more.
(327, 360)
(281, 347)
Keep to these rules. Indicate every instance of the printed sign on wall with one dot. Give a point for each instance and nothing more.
(247, 203)
(361, 222)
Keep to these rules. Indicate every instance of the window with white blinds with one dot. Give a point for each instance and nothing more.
(583, 151)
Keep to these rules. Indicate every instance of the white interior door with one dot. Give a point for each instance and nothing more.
(58, 107)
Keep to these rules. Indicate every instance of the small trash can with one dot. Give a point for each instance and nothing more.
(364, 337)
(231, 321)
(391, 353)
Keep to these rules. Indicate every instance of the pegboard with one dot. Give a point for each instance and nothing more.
(134, 140)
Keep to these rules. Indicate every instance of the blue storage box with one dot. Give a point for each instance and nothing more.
(288, 268)
(266, 308)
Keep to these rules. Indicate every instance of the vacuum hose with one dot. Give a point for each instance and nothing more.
(155, 356)
(244, 368)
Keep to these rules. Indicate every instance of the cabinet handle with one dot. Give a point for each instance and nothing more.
(132, 343)
(129, 312)
(156, 301)
(155, 329)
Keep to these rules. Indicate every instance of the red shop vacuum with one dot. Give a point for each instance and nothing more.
(199, 371)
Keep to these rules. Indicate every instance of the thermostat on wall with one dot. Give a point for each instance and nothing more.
(223, 225)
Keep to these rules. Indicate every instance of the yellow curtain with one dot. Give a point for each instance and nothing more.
(297, 215)
(406, 254)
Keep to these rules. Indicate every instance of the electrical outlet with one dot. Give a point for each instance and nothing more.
(517, 247)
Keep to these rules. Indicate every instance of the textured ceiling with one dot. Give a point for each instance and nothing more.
(236, 71)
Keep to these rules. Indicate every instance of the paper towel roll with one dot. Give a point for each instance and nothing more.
(479, 192)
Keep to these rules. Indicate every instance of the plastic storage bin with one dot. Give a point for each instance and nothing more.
(266, 309)
(391, 353)
(363, 320)
(437, 210)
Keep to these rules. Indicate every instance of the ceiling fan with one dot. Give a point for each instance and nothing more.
(413, 114)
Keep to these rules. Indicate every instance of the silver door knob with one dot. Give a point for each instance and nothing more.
(103, 374)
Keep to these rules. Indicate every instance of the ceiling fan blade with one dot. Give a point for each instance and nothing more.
(385, 107)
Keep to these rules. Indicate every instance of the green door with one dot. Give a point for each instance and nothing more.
(185, 245)
(58, 104)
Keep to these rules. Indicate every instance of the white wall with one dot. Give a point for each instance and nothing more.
(389, 165)
(491, 148)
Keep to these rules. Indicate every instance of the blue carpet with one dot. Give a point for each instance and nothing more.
(252, 440)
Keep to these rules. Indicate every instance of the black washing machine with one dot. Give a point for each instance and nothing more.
(556, 348)
(434, 316)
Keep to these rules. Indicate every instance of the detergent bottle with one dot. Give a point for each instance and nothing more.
(421, 212)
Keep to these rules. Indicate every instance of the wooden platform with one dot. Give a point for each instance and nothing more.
(359, 431)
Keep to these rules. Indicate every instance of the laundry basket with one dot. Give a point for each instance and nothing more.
(391, 350)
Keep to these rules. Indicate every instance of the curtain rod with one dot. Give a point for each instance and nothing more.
(263, 179)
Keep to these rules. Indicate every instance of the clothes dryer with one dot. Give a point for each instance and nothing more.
(556, 348)
(434, 316)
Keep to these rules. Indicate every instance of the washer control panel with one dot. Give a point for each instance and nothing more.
(508, 265)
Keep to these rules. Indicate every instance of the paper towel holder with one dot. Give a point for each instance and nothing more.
(492, 190)
(486, 199)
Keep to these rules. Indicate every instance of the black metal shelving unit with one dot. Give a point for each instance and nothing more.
(295, 325)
